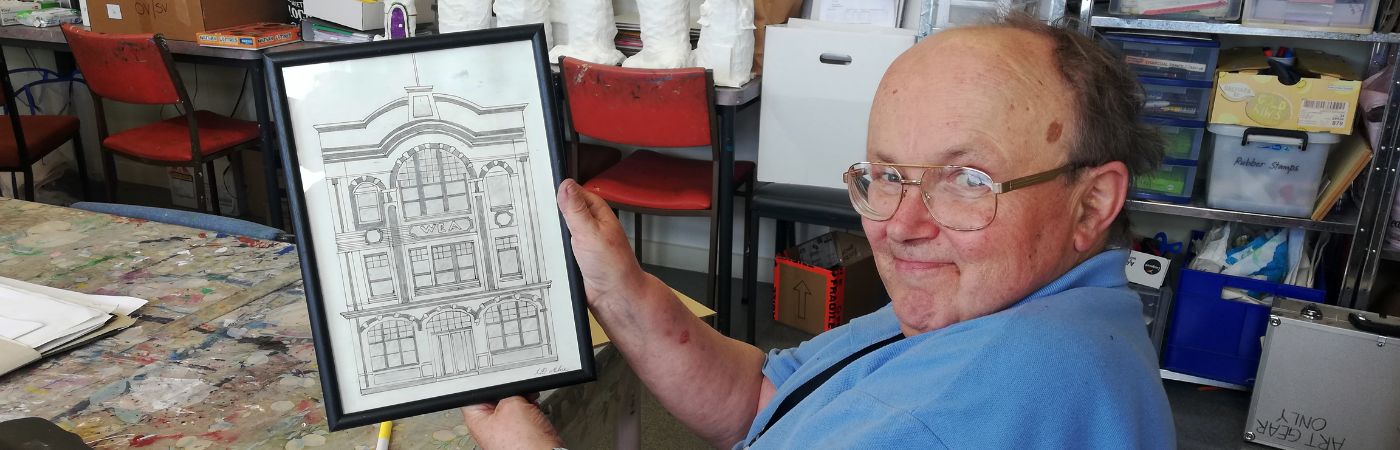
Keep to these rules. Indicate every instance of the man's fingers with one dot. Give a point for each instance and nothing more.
(516, 401)
(477, 412)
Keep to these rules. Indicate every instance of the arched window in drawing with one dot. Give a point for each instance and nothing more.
(432, 180)
(512, 325)
(365, 199)
(451, 333)
(391, 345)
(452, 263)
(379, 274)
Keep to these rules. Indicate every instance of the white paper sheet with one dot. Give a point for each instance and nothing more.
(865, 12)
(14, 328)
(110, 304)
(60, 318)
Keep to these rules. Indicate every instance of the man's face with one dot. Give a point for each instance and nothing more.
(990, 99)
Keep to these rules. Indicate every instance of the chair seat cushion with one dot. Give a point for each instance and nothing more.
(651, 180)
(169, 140)
(42, 135)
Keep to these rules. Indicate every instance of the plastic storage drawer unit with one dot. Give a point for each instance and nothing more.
(1197, 10)
(1267, 171)
(1212, 337)
(1344, 16)
(951, 13)
(1177, 99)
(1172, 182)
(1167, 57)
(1183, 138)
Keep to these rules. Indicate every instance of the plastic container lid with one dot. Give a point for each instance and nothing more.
(1238, 131)
(1177, 82)
(1170, 122)
(1163, 40)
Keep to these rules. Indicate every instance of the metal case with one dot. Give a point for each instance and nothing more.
(1329, 379)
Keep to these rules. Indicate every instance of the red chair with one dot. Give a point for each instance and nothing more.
(24, 140)
(137, 68)
(662, 109)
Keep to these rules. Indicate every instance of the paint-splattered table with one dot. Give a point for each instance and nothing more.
(245, 378)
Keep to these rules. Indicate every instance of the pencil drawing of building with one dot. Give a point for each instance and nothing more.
(439, 240)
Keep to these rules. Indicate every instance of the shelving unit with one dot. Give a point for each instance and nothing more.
(1365, 223)
(1342, 223)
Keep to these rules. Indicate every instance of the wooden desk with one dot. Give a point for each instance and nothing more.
(51, 38)
(242, 379)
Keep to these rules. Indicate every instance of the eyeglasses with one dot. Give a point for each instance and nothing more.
(959, 198)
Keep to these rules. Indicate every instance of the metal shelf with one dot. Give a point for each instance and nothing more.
(1343, 223)
(1234, 28)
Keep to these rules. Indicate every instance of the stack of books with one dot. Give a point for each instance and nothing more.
(629, 34)
(39, 321)
(317, 30)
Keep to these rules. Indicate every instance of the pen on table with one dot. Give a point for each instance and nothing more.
(385, 429)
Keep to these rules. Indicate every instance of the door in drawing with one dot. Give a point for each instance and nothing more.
(452, 328)
(455, 352)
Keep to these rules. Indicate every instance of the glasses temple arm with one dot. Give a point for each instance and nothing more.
(1030, 180)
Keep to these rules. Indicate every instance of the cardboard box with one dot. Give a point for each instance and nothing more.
(809, 129)
(181, 19)
(1326, 102)
(252, 36)
(815, 298)
(362, 15)
(121, 16)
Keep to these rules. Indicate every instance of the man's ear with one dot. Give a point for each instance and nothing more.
(1100, 198)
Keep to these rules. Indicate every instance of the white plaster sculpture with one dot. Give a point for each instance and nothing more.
(726, 41)
(521, 12)
(591, 31)
(463, 15)
(665, 35)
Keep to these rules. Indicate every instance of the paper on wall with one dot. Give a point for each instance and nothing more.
(864, 12)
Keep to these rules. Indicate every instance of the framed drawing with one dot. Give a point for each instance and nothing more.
(422, 180)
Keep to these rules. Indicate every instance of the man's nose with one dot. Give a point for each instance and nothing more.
(911, 220)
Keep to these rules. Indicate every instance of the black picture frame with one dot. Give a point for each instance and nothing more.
(310, 239)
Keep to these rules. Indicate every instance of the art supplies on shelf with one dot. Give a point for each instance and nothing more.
(317, 30)
(38, 321)
(253, 36)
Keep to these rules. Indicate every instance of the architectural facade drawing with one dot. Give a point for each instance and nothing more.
(437, 234)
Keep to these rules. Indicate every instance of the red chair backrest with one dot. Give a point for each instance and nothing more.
(642, 107)
(127, 68)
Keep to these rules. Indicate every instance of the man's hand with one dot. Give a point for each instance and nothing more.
(512, 423)
(604, 257)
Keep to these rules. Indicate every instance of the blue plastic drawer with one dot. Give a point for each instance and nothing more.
(1168, 57)
(1215, 338)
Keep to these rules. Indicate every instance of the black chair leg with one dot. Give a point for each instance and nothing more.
(109, 171)
(240, 189)
(197, 175)
(213, 187)
(80, 159)
(14, 184)
(637, 235)
(750, 295)
(29, 183)
(712, 270)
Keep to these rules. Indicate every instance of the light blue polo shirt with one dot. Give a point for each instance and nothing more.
(1069, 367)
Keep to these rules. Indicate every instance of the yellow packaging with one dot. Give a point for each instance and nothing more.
(1325, 103)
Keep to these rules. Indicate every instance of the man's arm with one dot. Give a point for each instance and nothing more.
(712, 384)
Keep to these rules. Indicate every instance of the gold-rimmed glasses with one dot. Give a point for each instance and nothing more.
(958, 197)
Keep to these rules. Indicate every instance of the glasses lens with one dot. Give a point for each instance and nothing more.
(875, 190)
(960, 198)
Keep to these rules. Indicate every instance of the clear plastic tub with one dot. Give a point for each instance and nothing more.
(1183, 137)
(1267, 171)
(951, 13)
(1177, 99)
(1167, 57)
(1345, 16)
(1172, 182)
(1195, 10)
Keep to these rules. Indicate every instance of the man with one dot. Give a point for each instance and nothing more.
(1000, 157)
